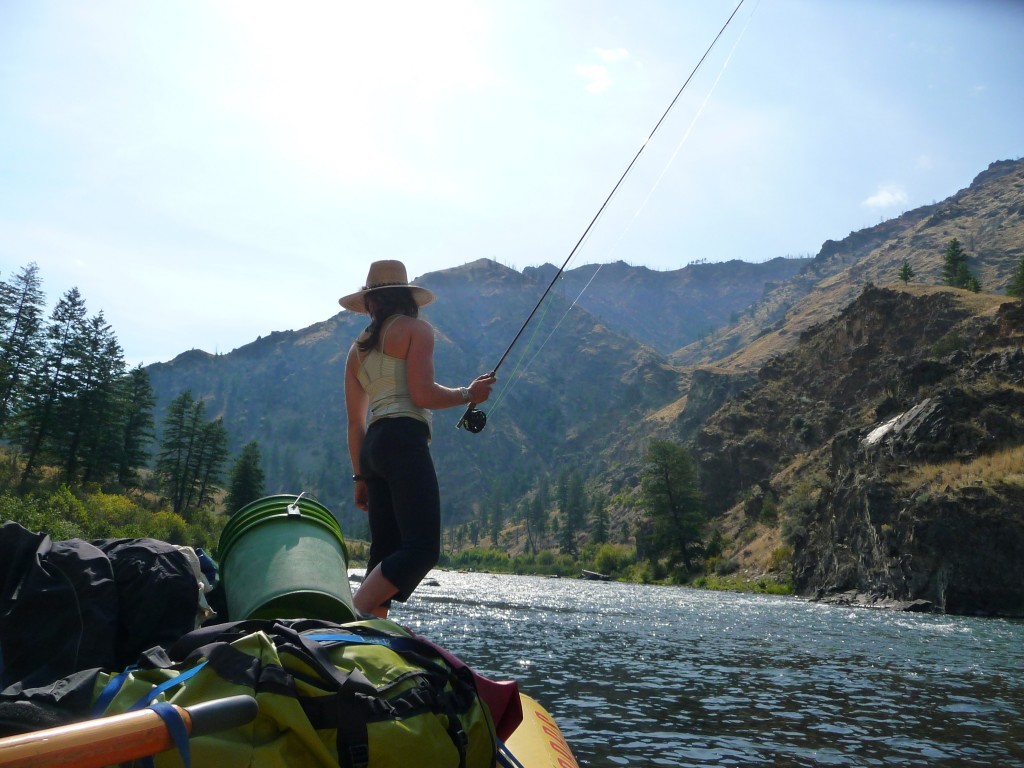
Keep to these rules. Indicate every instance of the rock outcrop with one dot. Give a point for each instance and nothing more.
(893, 437)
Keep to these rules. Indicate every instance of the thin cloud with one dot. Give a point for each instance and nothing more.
(887, 196)
(596, 75)
(612, 54)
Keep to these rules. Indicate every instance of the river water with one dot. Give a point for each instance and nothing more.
(665, 676)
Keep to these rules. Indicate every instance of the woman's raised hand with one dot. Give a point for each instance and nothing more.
(480, 389)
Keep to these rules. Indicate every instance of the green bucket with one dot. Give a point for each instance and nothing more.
(284, 557)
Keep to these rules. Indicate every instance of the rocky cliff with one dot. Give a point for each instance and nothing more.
(892, 438)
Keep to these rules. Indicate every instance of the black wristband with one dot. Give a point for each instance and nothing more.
(357, 478)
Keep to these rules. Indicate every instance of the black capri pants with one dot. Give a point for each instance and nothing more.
(405, 503)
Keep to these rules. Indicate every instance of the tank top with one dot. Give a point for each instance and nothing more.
(384, 380)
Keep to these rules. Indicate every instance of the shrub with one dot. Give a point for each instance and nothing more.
(725, 566)
(64, 515)
(947, 345)
(612, 559)
(780, 558)
(38, 515)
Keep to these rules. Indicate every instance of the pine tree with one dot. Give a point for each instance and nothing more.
(192, 455)
(906, 272)
(537, 514)
(247, 481)
(599, 520)
(43, 418)
(209, 464)
(496, 518)
(573, 503)
(21, 337)
(955, 271)
(179, 432)
(136, 424)
(954, 264)
(671, 498)
(1016, 287)
(91, 440)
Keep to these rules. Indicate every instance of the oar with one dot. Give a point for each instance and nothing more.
(119, 738)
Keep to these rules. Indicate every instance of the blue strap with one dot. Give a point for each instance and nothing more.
(164, 686)
(110, 691)
(505, 757)
(176, 727)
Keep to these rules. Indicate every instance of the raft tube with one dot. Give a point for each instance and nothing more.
(538, 742)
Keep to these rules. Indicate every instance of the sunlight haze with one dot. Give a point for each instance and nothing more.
(209, 172)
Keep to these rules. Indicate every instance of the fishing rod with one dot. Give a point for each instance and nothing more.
(474, 420)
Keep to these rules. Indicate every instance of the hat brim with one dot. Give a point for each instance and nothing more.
(356, 302)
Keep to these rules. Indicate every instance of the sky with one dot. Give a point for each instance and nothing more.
(206, 172)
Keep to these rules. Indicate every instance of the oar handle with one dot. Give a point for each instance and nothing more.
(120, 738)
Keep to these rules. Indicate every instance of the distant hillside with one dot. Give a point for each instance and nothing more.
(670, 309)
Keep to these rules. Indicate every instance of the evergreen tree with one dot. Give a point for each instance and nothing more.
(572, 502)
(954, 267)
(92, 417)
(176, 445)
(566, 537)
(207, 467)
(497, 516)
(906, 272)
(42, 421)
(136, 425)
(671, 497)
(599, 520)
(192, 455)
(21, 337)
(1016, 287)
(247, 481)
(562, 490)
(496, 525)
(537, 514)
(481, 512)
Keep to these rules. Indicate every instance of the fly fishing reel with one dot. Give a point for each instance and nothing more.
(473, 420)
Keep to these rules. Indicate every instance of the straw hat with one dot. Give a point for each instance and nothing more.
(385, 274)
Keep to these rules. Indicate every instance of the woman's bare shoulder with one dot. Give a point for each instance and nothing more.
(412, 326)
(405, 332)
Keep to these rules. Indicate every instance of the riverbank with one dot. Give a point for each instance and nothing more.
(618, 563)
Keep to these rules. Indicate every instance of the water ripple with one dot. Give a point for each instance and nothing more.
(643, 675)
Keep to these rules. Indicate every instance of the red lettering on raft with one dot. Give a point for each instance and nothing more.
(557, 741)
(543, 717)
(561, 748)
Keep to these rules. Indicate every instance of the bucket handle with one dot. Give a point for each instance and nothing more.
(293, 508)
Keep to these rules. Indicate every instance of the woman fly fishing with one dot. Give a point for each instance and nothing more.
(390, 392)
